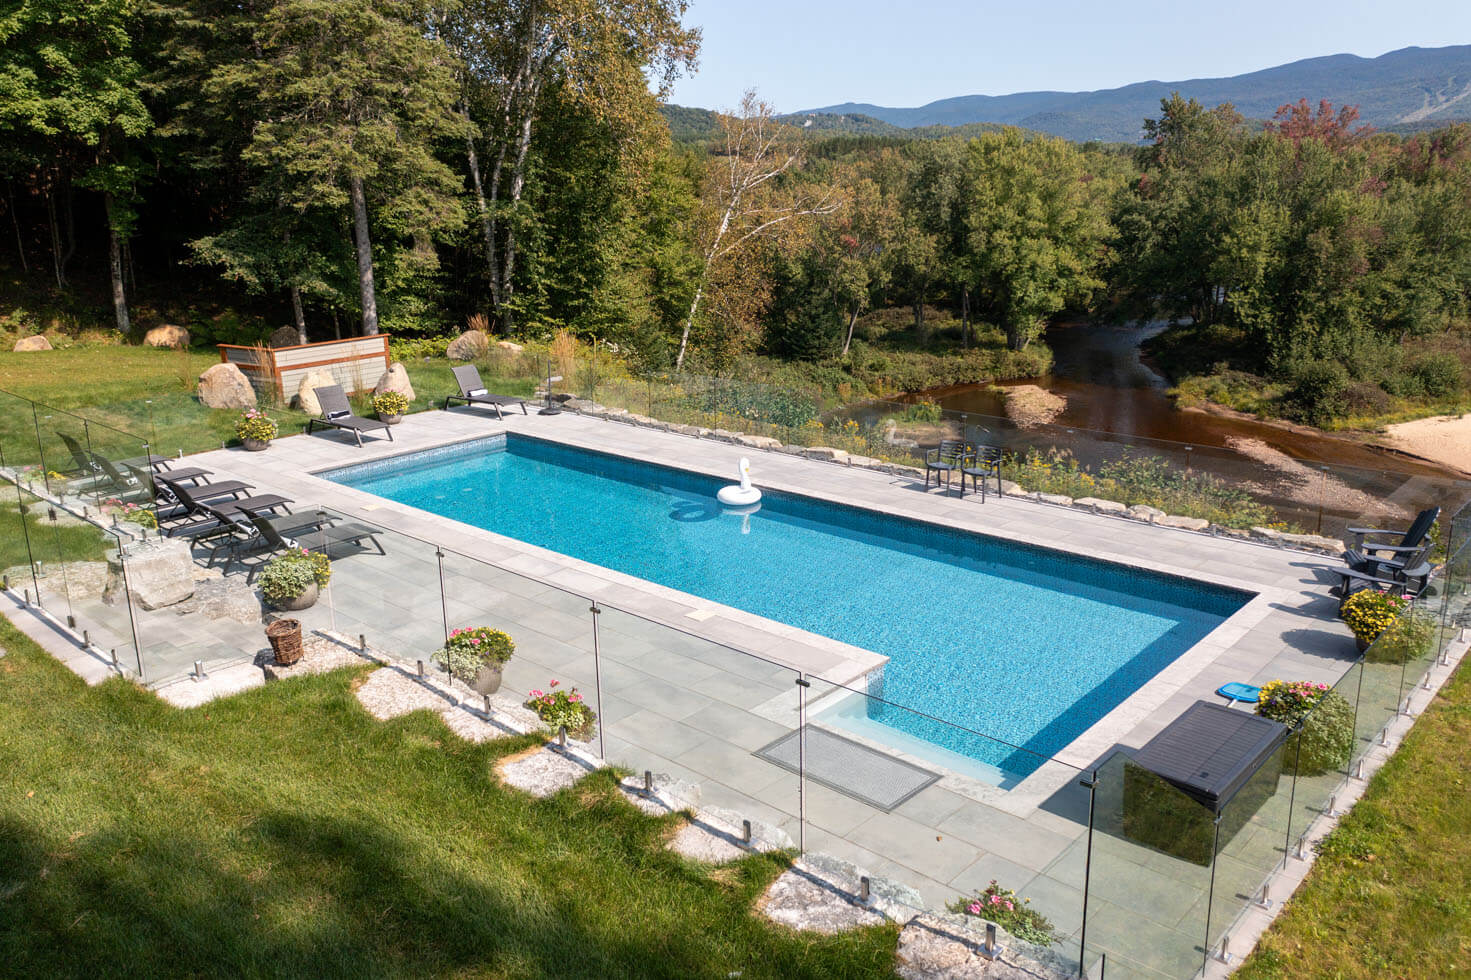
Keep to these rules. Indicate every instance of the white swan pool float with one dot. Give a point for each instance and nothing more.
(742, 494)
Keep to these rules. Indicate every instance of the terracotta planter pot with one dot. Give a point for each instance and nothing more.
(487, 679)
(390, 419)
(304, 601)
(256, 445)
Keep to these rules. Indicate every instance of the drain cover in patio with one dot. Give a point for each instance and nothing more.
(852, 769)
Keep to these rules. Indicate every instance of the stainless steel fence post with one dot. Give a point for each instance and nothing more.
(597, 667)
(802, 685)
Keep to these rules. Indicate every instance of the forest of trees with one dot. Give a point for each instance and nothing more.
(367, 165)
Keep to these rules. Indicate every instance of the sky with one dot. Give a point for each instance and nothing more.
(803, 54)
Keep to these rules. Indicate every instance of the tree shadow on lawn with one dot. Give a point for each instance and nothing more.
(323, 896)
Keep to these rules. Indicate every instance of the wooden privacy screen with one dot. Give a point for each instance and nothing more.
(355, 363)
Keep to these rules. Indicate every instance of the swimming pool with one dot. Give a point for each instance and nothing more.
(1024, 644)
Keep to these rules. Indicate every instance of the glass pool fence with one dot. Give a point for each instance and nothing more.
(1127, 874)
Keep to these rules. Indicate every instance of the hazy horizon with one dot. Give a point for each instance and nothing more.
(803, 56)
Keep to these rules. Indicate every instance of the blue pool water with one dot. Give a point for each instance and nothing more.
(1026, 645)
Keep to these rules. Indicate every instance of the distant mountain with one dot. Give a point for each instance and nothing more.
(1410, 88)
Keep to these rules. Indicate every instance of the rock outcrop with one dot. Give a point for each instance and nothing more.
(37, 342)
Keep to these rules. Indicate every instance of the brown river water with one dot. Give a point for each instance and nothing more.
(1116, 399)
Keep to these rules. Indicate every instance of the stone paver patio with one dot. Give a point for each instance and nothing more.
(692, 688)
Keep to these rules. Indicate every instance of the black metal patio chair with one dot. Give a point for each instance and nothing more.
(951, 455)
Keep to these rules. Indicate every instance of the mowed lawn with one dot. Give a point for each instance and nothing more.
(284, 832)
(140, 393)
(1390, 895)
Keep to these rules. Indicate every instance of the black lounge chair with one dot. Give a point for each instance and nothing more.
(985, 463)
(1369, 558)
(337, 414)
(472, 392)
(951, 455)
(217, 516)
(275, 536)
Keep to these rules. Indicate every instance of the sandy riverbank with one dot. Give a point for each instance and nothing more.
(1445, 439)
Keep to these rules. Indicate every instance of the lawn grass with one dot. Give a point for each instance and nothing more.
(132, 395)
(1390, 895)
(284, 832)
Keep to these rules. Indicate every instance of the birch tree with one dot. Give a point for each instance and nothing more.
(749, 194)
(599, 55)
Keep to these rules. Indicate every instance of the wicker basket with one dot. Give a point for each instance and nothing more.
(285, 637)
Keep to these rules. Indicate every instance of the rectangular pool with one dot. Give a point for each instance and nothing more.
(1026, 645)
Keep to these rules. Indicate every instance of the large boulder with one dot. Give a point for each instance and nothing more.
(283, 337)
(160, 572)
(306, 395)
(468, 346)
(510, 345)
(225, 386)
(166, 335)
(37, 342)
(395, 379)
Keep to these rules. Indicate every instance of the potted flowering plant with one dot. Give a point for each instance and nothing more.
(293, 580)
(475, 655)
(1370, 612)
(1322, 719)
(1015, 915)
(558, 708)
(390, 406)
(256, 429)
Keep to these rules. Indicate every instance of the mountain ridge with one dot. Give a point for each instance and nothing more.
(1409, 85)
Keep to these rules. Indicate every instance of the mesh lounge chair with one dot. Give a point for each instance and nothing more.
(1373, 559)
(204, 516)
(472, 392)
(276, 536)
(337, 414)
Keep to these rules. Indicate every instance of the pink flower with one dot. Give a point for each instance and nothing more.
(575, 697)
(536, 694)
(1010, 907)
(974, 908)
(555, 682)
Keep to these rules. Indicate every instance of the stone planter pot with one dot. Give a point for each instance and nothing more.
(390, 419)
(304, 601)
(256, 445)
(487, 679)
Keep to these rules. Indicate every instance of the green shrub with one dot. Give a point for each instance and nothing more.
(757, 402)
(1369, 612)
(1406, 639)
(1366, 398)
(1441, 375)
(417, 348)
(1326, 739)
(1319, 392)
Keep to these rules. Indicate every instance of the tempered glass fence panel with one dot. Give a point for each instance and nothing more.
(1149, 883)
(22, 544)
(97, 584)
(57, 542)
(1323, 752)
(552, 630)
(18, 444)
(385, 586)
(1252, 840)
(945, 812)
(124, 489)
(62, 439)
(682, 705)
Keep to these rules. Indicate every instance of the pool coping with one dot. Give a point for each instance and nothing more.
(1276, 589)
